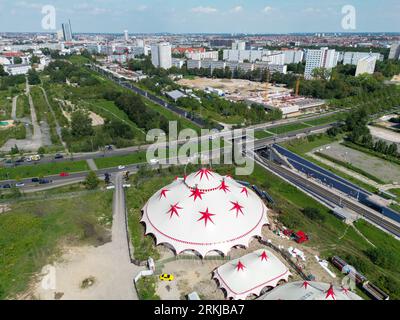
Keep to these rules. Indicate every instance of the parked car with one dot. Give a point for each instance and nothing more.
(20, 184)
(121, 167)
(166, 277)
(58, 156)
(35, 180)
(7, 186)
(45, 181)
(20, 160)
(64, 174)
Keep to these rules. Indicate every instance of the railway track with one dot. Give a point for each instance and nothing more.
(332, 197)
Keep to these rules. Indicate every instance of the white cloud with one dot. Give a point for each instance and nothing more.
(267, 9)
(237, 9)
(204, 10)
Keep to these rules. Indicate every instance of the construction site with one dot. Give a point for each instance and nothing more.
(272, 96)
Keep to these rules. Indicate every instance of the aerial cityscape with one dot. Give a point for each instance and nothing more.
(179, 150)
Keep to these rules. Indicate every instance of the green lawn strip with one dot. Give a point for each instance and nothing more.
(16, 132)
(262, 134)
(111, 162)
(288, 128)
(146, 288)
(325, 120)
(140, 157)
(23, 108)
(395, 192)
(395, 207)
(5, 105)
(42, 170)
(304, 145)
(31, 232)
(44, 114)
(350, 167)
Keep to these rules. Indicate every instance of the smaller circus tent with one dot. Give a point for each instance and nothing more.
(204, 213)
(310, 290)
(251, 274)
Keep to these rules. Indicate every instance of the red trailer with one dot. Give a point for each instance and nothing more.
(300, 237)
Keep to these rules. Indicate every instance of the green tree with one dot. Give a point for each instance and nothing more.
(33, 77)
(81, 124)
(91, 181)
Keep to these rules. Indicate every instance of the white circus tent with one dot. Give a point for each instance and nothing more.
(310, 290)
(251, 274)
(204, 212)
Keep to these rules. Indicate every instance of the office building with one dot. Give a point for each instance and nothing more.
(322, 58)
(239, 45)
(354, 57)
(395, 51)
(67, 31)
(366, 65)
(161, 55)
(126, 36)
(293, 56)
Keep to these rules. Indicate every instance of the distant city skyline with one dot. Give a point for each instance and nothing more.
(204, 16)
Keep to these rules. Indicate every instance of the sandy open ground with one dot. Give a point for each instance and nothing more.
(196, 275)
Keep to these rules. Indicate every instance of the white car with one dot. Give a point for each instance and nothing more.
(20, 184)
(121, 167)
(154, 161)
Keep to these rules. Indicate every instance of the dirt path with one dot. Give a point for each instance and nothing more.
(14, 108)
(108, 266)
(36, 141)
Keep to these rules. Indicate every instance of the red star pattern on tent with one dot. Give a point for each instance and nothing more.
(264, 256)
(163, 193)
(196, 193)
(330, 293)
(244, 190)
(206, 216)
(240, 266)
(204, 172)
(223, 186)
(305, 284)
(174, 210)
(237, 207)
(345, 290)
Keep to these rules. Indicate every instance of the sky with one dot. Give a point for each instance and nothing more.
(201, 16)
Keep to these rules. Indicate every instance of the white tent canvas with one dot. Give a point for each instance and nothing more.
(204, 212)
(251, 274)
(310, 290)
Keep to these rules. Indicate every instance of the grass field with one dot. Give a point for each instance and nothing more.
(110, 162)
(140, 157)
(32, 231)
(42, 170)
(43, 113)
(396, 192)
(16, 132)
(23, 109)
(325, 120)
(5, 105)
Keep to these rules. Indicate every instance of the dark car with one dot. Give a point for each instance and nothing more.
(7, 186)
(20, 160)
(35, 180)
(58, 156)
(45, 181)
